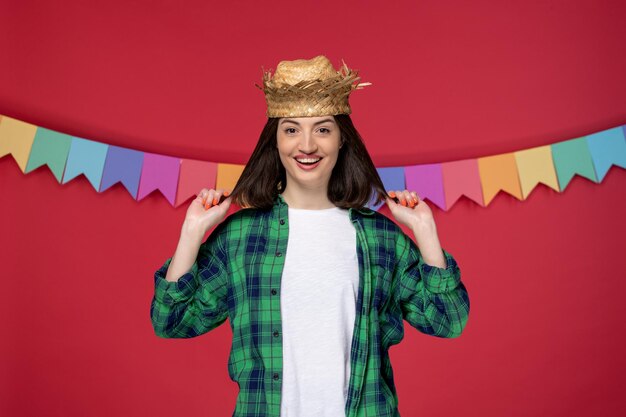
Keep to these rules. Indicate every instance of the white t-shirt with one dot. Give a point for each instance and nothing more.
(319, 288)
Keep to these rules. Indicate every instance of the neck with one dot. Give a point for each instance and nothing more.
(307, 198)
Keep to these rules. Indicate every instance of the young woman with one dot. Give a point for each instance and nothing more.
(315, 285)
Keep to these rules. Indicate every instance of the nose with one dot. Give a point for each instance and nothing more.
(307, 144)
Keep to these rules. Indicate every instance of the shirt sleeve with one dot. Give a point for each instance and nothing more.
(197, 302)
(432, 299)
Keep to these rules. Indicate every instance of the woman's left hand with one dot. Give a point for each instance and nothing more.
(416, 214)
(412, 212)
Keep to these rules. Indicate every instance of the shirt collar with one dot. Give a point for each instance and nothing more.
(365, 211)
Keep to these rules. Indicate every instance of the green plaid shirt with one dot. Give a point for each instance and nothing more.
(237, 275)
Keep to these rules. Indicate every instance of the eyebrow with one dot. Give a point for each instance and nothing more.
(314, 124)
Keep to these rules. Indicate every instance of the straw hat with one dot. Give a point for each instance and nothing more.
(309, 87)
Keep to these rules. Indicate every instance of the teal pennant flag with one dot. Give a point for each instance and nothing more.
(49, 148)
(572, 157)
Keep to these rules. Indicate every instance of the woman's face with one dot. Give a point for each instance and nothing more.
(308, 139)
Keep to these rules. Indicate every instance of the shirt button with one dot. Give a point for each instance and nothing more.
(279, 254)
(282, 221)
(276, 333)
(275, 377)
(274, 291)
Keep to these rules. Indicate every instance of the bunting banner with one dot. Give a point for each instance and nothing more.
(177, 179)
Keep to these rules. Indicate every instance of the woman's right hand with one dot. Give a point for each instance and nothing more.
(202, 215)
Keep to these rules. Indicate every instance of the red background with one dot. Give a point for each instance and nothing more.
(451, 80)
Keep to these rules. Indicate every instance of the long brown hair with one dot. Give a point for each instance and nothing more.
(353, 181)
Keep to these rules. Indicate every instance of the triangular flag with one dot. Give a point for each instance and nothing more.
(227, 176)
(86, 157)
(462, 178)
(572, 157)
(194, 176)
(499, 172)
(535, 165)
(607, 148)
(159, 172)
(123, 165)
(393, 179)
(16, 138)
(427, 181)
(49, 148)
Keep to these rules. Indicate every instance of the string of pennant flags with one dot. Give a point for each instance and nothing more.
(178, 179)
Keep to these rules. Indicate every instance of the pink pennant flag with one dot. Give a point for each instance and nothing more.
(194, 176)
(462, 178)
(159, 172)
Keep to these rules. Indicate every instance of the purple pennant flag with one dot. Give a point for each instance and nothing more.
(159, 172)
(122, 165)
(393, 179)
(427, 181)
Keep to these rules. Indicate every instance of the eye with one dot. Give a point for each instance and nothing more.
(290, 130)
(324, 130)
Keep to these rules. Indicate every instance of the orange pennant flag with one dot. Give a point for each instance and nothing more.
(499, 172)
(228, 175)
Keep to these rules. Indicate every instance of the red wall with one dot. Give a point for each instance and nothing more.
(451, 80)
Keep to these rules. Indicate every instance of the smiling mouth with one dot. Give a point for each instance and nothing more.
(308, 161)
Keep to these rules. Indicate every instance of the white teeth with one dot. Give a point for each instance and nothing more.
(308, 160)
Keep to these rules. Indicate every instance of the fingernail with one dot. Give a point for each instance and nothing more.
(412, 204)
(215, 201)
(226, 193)
(403, 202)
(392, 194)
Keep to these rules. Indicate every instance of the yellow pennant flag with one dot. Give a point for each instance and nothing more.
(535, 165)
(16, 138)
